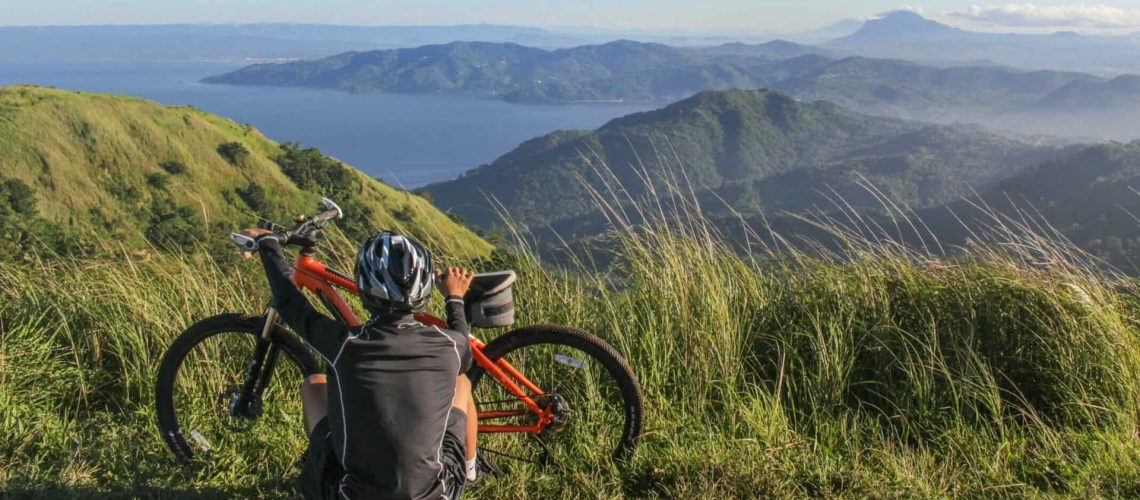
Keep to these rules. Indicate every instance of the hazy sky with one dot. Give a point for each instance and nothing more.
(754, 16)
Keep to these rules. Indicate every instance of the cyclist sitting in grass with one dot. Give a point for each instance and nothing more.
(392, 420)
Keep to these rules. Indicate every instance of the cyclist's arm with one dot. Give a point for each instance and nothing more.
(453, 284)
(294, 308)
(456, 316)
(457, 322)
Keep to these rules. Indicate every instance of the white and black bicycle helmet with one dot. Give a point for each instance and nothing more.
(394, 274)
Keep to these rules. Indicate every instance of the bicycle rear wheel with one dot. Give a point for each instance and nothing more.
(201, 417)
(596, 397)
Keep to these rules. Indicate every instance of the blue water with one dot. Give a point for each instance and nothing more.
(408, 140)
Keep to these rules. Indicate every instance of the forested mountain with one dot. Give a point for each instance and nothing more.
(928, 167)
(627, 70)
(174, 177)
(633, 71)
(762, 158)
(760, 151)
(1090, 194)
(622, 70)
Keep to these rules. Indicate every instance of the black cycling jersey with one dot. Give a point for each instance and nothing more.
(390, 389)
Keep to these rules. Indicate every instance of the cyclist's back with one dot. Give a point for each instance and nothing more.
(392, 430)
(390, 406)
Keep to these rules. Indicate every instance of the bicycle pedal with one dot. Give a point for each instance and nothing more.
(485, 467)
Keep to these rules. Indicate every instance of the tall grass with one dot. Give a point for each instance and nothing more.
(863, 367)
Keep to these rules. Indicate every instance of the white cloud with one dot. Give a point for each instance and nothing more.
(917, 9)
(1051, 16)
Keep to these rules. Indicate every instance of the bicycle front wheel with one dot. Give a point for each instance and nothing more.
(593, 393)
(202, 414)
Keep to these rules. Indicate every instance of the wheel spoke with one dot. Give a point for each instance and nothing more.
(266, 435)
(588, 403)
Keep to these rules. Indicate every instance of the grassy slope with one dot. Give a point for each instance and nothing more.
(84, 152)
(883, 373)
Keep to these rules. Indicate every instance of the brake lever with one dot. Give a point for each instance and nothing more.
(245, 242)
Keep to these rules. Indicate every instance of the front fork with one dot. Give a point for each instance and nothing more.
(246, 403)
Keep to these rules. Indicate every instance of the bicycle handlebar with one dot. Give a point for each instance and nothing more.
(304, 233)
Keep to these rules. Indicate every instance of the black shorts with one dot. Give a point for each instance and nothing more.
(320, 469)
(321, 472)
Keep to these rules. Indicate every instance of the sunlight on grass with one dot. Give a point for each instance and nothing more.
(858, 366)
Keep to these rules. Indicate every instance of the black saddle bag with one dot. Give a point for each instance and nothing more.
(489, 303)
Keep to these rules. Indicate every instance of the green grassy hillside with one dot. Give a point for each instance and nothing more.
(872, 373)
(141, 173)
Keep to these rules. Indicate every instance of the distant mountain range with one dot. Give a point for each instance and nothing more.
(908, 35)
(1012, 99)
(904, 35)
(760, 158)
(757, 151)
(622, 70)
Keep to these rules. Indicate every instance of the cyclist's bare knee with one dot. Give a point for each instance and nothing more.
(462, 393)
(314, 399)
(465, 402)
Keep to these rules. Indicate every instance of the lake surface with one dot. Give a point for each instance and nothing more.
(408, 140)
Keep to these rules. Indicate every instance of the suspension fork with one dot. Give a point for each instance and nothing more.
(259, 372)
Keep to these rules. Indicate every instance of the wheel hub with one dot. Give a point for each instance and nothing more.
(238, 413)
(559, 410)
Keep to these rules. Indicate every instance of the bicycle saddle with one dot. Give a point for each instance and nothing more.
(487, 284)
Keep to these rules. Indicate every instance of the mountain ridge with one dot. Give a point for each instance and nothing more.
(639, 72)
(730, 143)
(1088, 194)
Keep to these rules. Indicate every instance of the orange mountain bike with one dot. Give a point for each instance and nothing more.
(228, 387)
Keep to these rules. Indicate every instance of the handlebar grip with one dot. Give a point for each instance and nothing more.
(323, 217)
(332, 211)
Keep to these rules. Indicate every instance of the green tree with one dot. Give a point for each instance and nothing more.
(313, 171)
(173, 167)
(18, 197)
(234, 152)
(173, 226)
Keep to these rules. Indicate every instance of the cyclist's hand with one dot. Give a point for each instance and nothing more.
(253, 232)
(454, 281)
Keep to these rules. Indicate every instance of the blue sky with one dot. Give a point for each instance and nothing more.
(737, 16)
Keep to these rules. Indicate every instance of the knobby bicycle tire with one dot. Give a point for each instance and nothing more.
(602, 352)
(168, 424)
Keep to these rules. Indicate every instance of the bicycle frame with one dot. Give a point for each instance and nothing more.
(323, 281)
